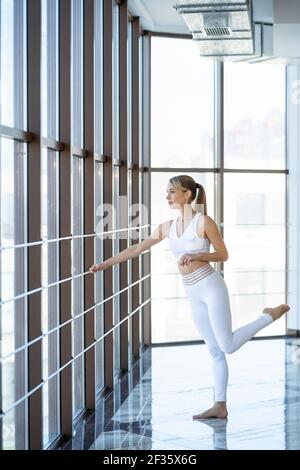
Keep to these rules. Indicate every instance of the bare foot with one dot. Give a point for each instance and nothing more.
(277, 312)
(219, 410)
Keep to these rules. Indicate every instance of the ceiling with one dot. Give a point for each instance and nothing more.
(160, 16)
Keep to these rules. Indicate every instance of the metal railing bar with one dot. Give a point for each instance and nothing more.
(50, 377)
(57, 328)
(48, 286)
(71, 237)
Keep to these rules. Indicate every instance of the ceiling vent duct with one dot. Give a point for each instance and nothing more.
(221, 28)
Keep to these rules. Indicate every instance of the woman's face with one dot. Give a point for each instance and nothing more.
(177, 198)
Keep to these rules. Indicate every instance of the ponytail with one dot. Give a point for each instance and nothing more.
(201, 199)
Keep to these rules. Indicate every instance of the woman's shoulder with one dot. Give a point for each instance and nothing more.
(203, 222)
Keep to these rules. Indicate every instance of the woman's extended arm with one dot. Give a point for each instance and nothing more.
(213, 234)
(135, 250)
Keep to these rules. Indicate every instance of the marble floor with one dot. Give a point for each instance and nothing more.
(152, 406)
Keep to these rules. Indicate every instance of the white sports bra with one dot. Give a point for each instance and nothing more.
(189, 241)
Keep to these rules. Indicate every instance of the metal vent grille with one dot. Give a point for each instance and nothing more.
(217, 31)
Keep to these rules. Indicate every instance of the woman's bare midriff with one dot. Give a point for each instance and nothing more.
(193, 266)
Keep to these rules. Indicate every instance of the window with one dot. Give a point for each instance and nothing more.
(78, 204)
(254, 218)
(254, 233)
(13, 227)
(50, 218)
(254, 117)
(181, 105)
(99, 312)
(115, 183)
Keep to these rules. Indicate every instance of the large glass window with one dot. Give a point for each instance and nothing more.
(78, 204)
(254, 116)
(254, 232)
(254, 218)
(181, 105)
(13, 227)
(13, 324)
(115, 182)
(50, 218)
(129, 176)
(98, 83)
(13, 63)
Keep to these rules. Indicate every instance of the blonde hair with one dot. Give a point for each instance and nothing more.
(185, 182)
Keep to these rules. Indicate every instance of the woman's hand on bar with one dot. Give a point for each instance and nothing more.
(98, 267)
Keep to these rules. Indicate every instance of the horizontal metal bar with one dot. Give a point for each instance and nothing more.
(16, 134)
(180, 170)
(100, 158)
(42, 288)
(27, 395)
(62, 325)
(71, 237)
(131, 166)
(230, 294)
(168, 35)
(216, 170)
(244, 170)
(117, 162)
(254, 225)
(52, 144)
(78, 152)
(244, 225)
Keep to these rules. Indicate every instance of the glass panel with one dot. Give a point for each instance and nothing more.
(50, 217)
(129, 93)
(182, 103)
(254, 234)
(78, 202)
(115, 183)
(13, 63)
(116, 269)
(13, 317)
(129, 180)
(50, 296)
(254, 116)
(99, 289)
(49, 69)
(171, 320)
(166, 281)
(129, 267)
(77, 285)
(99, 311)
(11, 433)
(98, 82)
(77, 73)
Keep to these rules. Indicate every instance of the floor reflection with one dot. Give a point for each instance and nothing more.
(219, 427)
(152, 406)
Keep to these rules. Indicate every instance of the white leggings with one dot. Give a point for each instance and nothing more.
(211, 313)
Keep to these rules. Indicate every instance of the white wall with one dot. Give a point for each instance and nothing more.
(293, 155)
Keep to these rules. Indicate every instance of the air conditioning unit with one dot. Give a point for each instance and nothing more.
(221, 28)
(232, 29)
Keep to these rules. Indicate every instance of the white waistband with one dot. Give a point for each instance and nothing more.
(195, 276)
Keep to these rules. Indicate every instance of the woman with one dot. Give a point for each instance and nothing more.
(190, 236)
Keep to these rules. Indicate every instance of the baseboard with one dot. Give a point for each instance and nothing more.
(291, 332)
